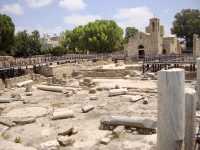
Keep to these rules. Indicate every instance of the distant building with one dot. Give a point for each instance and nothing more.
(49, 41)
(152, 42)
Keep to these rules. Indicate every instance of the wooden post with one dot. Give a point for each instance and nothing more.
(171, 109)
(190, 109)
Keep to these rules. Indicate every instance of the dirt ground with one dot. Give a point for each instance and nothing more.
(41, 105)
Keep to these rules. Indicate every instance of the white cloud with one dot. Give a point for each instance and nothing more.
(43, 30)
(77, 20)
(72, 5)
(38, 3)
(137, 17)
(14, 9)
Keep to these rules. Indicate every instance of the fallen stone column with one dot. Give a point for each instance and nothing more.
(6, 100)
(190, 109)
(62, 113)
(116, 92)
(50, 88)
(171, 109)
(134, 122)
(21, 84)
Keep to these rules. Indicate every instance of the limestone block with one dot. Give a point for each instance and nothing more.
(6, 100)
(105, 140)
(118, 131)
(21, 84)
(134, 122)
(133, 98)
(51, 88)
(50, 145)
(66, 131)
(28, 88)
(65, 140)
(93, 98)
(117, 92)
(29, 93)
(87, 108)
(62, 113)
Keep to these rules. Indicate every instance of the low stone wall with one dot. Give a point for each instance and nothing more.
(59, 71)
(12, 82)
(108, 73)
(65, 70)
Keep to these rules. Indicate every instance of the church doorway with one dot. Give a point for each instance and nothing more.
(141, 52)
(164, 52)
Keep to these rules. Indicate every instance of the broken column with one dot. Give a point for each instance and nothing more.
(24, 83)
(50, 88)
(28, 87)
(190, 109)
(171, 109)
(198, 83)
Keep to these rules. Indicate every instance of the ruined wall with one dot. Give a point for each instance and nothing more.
(196, 45)
(170, 44)
(66, 70)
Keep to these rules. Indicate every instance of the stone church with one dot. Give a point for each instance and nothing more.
(152, 42)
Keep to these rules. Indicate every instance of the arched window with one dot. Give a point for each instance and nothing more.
(153, 26)
(140, 47)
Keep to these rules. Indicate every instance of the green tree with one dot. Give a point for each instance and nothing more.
(100, 36)
(22, 44)
(7, 29)
(77, 42)
(130, 32)
(57, 51)
(34, 43)
(27, 44)
(187, 23)
(65, 38)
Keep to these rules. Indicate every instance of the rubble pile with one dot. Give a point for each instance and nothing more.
(81, 112)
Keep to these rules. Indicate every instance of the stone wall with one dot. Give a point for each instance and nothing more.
(170, 44)
(153, 41)
(59, 71)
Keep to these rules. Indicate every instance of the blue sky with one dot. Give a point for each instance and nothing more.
(54, 16)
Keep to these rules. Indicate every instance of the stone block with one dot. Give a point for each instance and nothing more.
(62, 113)
(117, 92)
